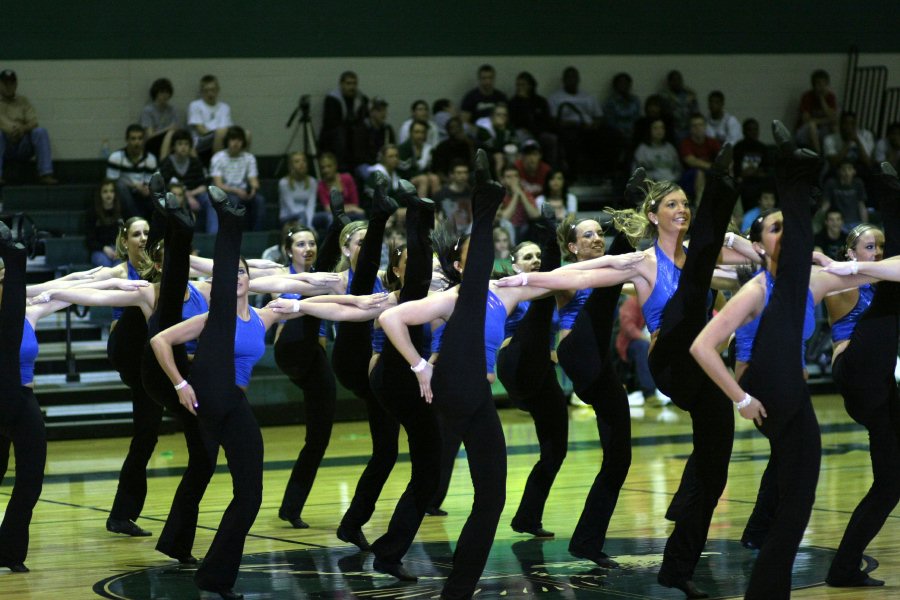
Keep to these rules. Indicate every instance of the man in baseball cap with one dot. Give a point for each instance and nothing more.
(20, 136)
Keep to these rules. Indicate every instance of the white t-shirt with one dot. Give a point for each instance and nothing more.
(234, 170)
(212, 117)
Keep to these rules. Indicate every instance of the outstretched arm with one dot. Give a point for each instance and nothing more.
(140, 296)
(292, 284)
(563, 279)
(360, 309)
(841, 275)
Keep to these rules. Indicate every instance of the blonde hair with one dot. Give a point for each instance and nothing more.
(854, 235)
(346, 233)
(290, 176)
(122, 238)
(637, 225)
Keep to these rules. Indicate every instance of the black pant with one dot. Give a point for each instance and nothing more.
(679, 376)
(224, 413)
(462, 397)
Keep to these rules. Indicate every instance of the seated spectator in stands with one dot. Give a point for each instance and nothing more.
(234, 171)
(298, 195)
(532, 169)
(388, 161)
(370, 135)
(344, 107)
(458, 147)
(765, 201)
(102, 220)
(847, 194)
(832, 239)
(818, 112)
(556, 192)
(443, 110)
(495, 136)
(502, 260)
(622, 109)
(20, 136)
(181, 166)
(160, 119)
(752, 164)
(342, 182)
(518, 207)
(131, 168)
(455, 199)
(888, 148)
(419, 110)
(480, 101)
(415, 161)
(850, 144)
(208, 118)
(681, 104)
(697, 153)
(721, 124)
(654, 107)
(658, 157)
(633, 345)
(529, 116)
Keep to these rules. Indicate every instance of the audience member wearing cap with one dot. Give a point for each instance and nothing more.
(369, 136)
(20, 136)
(532, 169)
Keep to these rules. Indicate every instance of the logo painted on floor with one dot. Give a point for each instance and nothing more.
(514, 570)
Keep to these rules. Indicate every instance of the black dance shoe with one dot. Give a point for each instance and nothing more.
(15, 567)
(435, 511)
(601, 559)
(636, 188)
(535, 530)
(888, 176)
(383, 206)
(296, 523)
(857, 579)
(221, 204)
(685, 585)
(395, 570)
(353, 536)
(337, 207)
(482, 168)
(127, 527)
(224, 593)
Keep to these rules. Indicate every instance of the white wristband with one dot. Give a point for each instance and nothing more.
(729, 239)
(419, 366)
(295, 305)
(745, 402)
(181, 385)
(854, 267)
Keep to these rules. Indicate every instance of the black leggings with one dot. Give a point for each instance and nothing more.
(397, 389)
(462, 397)
(350, 360)
(679, 376)
(527, 372)
(864, 373)
(21, 421)
(224, 413)
(300, 356)
(585, 356)
(775, 376)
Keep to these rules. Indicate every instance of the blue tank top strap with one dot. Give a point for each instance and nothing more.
(28, 351)
(843, 328)
(249, 346)
(569, 312)
(667, 278)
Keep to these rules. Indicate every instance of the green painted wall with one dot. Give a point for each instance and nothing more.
(93, 29)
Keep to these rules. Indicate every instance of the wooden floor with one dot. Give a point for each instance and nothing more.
(71, 551)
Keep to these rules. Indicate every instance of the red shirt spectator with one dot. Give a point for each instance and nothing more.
(631, 326)
(351, 196)
(705, 150)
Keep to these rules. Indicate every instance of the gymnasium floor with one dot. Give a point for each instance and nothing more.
(73, 557)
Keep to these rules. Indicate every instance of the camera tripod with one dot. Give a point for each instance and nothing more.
(304, 127)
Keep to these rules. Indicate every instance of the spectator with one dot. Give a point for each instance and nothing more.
(502, 260)
(297, 195)
(344, 107)
(752, 164)
(388, 161)
(847, 194)
(529, 115)
(443, 110)
(818, 112)
(681, 103)
(532, 170)
(658, 157)
(765, 201)
(633, 345)
(556, 192)
(131, 168)
(888, 148)
(518, 206)
(722, 125)
(455, 199)
(850, 144)
(20, 135)
(415, 161)
(332, 179)
(481, 100)
(234, 171)
(832, 239)
(622, 109)
(371, 135)
(419, 110)
(181, 166)
(654, 108)
(495, 136)
(456, 148)
(697, 153)
(101, 225)
(209, 119)
(160, 119)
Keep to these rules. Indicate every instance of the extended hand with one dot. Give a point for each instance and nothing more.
(512, 281)
(755, 411)
(188, 399)
(371, 301)
(626, 261)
